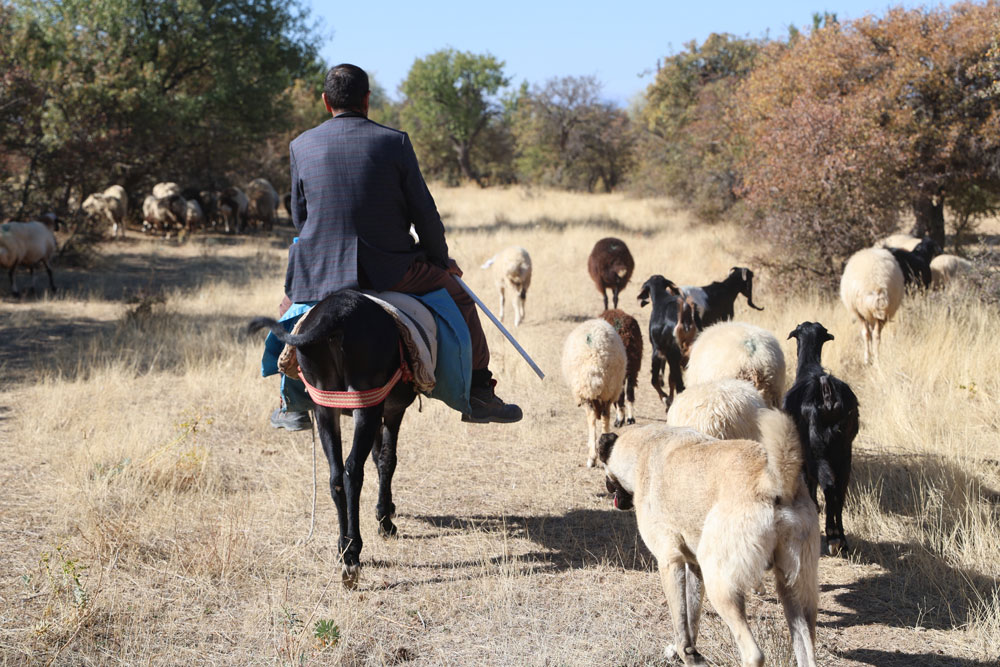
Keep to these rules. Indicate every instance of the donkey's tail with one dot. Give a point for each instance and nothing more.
(324, 330)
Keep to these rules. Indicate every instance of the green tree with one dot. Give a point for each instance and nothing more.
(451, 97)
(136, 91)
(688, 149)
(568, 137)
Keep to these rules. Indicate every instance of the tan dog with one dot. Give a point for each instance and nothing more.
(719, 513)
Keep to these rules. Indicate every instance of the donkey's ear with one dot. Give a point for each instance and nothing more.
(605, 445)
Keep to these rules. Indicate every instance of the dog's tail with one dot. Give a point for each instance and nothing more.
(781, 443)
(488, 263)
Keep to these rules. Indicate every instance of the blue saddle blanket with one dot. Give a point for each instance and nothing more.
(452, 374)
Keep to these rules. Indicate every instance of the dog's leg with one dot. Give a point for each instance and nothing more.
(673, 576)
(501, 300)
(520, 308)
(730, 604)
(796, 580)
(693, 593)
(366, 425)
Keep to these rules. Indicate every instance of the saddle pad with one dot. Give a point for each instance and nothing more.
(418, 330)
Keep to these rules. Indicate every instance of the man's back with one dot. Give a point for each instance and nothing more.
(356, 189)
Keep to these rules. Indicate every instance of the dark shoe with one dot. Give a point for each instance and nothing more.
(291, 421)
(487, 407)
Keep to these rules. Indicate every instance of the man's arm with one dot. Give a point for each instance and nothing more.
(423, 212)
(298, 194)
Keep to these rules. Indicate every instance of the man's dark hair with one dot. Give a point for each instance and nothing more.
(346, 87)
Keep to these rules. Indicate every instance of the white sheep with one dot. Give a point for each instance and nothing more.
(741, 351)
(161, 190)
(871, 290)
(26, 244)
(162, 213)
(193, 215)
(512, 269)
(262, 203)
(724, 409)
(946, 268)
(112, 205)
(901, 241)
(593, 365)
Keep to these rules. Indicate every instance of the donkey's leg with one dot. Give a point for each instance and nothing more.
(367, 422)
(385, 463)
(328, 425)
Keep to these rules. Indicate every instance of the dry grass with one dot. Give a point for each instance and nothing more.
(150, 515)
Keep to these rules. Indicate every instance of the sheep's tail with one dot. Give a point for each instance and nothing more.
(488, 263)
(325, 328)
(876, 302)
(781, 443)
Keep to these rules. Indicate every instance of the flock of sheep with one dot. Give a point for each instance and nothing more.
(720, 373)
(169, 208)
(166, 210)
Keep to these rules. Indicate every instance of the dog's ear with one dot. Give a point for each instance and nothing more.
(605, 445)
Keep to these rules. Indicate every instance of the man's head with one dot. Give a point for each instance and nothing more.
(346, 89)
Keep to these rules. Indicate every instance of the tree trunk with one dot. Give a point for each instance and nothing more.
(465, 163)
(930, 218)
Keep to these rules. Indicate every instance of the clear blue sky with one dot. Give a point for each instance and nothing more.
(617, 42)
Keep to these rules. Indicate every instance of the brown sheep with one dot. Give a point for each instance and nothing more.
(631, 335)
(610, 265)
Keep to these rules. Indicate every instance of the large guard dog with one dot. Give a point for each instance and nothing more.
(719, 513)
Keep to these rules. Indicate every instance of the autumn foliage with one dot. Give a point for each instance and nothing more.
(846, 128)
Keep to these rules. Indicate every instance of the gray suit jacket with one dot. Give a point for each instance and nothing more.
(356, 188)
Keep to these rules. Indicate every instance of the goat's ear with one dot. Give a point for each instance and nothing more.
(828, 336)
(794, 333)
(643, 297)
(604, 446)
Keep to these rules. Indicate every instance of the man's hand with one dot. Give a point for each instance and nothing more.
(453, 268)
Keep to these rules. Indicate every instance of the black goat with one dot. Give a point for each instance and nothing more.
(916, 264)
(349, 343)
(715, 301)
(667, 307)
(825, 411)
(610, 265)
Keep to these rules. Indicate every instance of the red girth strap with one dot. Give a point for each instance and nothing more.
(352, 400)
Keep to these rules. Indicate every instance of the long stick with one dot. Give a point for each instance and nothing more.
(503, 330)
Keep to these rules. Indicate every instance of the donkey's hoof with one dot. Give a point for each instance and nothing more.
(387, 528)
(349, 576)
(835, 546)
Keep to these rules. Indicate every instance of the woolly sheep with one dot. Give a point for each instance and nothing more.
(193, 215)
(233, 206)
(631, 334)
(26, 244)
(112, 205)
(512, 269)
(901, 241)
(610, 265)
(593, 365)
(262, 203)
(161, 190)
(871, 289)
(160, 214)
(741, 351)
(724, 409)
(946, 268)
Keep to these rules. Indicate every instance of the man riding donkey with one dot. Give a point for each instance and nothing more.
(356, 191)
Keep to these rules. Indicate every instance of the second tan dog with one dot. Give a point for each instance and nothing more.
(718, 513)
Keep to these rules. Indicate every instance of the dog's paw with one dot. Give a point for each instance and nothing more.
(591, 461)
